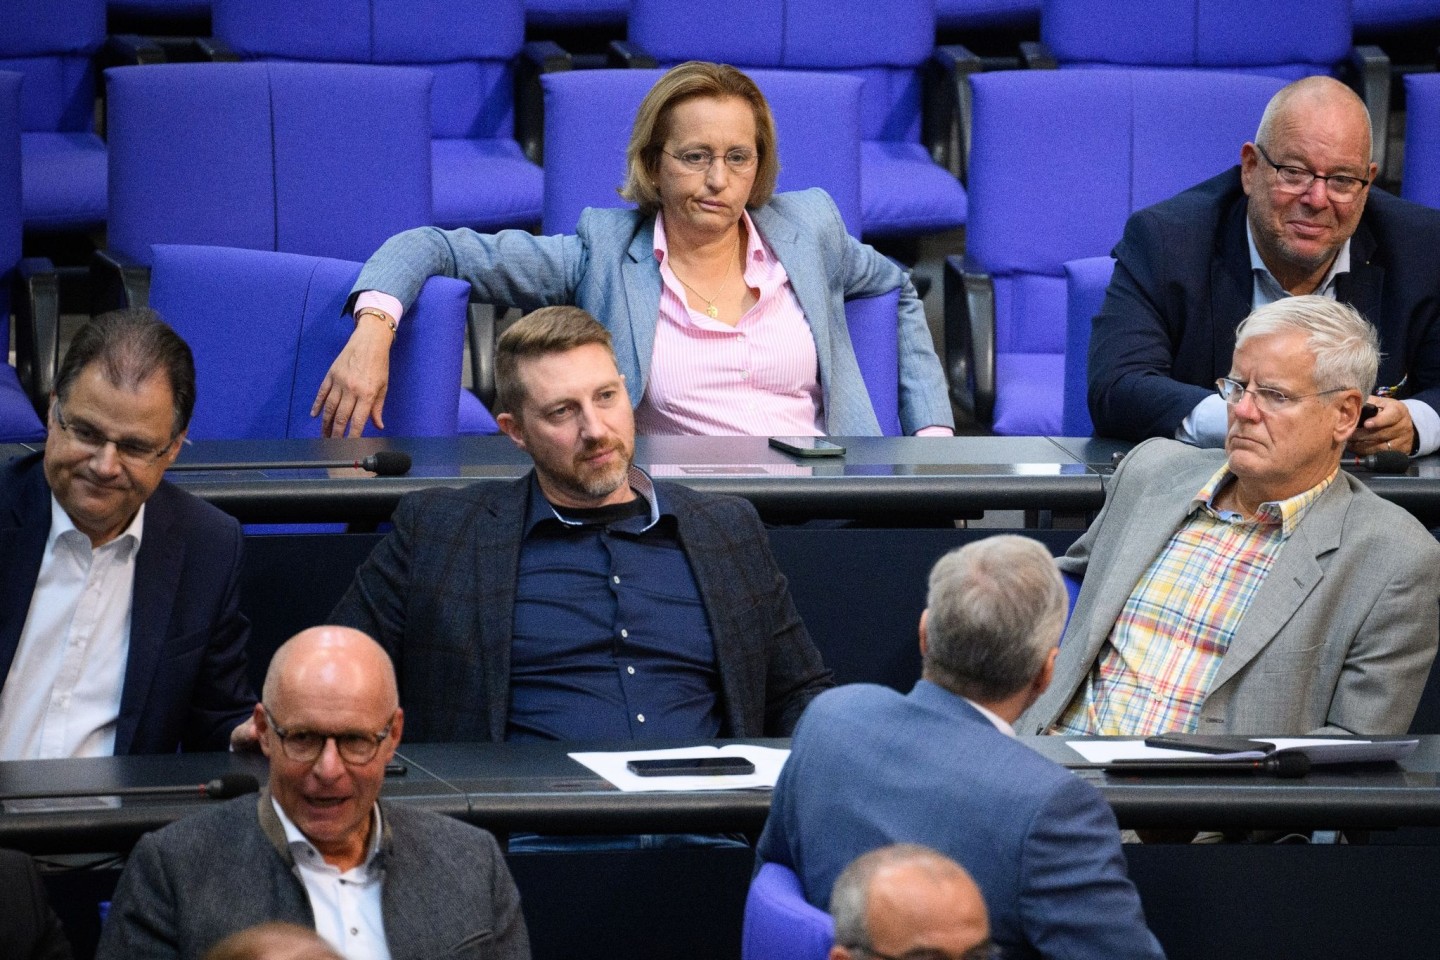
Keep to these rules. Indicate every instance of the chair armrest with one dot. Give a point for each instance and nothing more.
(537, 57)
(37, 330)
(1035, 55)
(116, 282)
(945, 123)
(480, 332)
(1371, 78)
(129, 50)
(214, 50)
(626, 55)
(970, 340)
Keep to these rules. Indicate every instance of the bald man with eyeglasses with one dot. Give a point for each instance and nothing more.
(1301, 214)
(317, 847)
(1259, 589)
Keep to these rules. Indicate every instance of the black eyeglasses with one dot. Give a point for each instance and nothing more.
(1297, 180)
(131, 452)
(305, 746)
(699, 161)
(1267, 399)
(981, 951)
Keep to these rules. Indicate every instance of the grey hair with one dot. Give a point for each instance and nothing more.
(1312, 88)
(996, 609)
(1346, 347)
(850, 897)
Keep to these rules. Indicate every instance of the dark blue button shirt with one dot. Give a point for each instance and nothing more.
(611, 640)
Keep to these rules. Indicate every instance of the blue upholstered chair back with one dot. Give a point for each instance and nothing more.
(874, 332)
(1085, 283)
(266, 326)
(481, 177)
(589, 113)
(1385, 15)
(52, 44)
(1060, 160)
(1279, 38)
(576, 13)
(319, 159)
(18, 421)
(1421, 181)
(887, 45)
(779, 923)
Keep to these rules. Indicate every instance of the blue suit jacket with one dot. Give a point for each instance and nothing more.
(608, 268)
(439, 594)
(185, 681)
(871, 767)
(1183, 283)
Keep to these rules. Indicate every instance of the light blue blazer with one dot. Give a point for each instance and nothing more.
(608, 267)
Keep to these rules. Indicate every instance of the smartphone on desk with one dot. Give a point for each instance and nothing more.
(807, 446)
(691, 767)
(1212, 744)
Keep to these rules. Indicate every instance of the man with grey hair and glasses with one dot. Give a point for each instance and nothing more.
(1299, 215)
(870, 767)
(908, 902)
(1258, 589)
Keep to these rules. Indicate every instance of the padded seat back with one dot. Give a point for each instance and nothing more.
(51, 43)
(589, 114)
(266, 326)
(1060, 161)
(1421, 181)
(320, 159)
(1281, 38)
(780, 924)
(18, 422)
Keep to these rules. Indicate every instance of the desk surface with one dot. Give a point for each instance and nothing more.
(889, 479)
(536, 786)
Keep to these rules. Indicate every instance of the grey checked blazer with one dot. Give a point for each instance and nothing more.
(1338, 639)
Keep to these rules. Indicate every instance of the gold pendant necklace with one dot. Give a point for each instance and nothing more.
(712, 311)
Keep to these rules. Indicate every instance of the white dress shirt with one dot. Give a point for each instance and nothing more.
(62, 695)
(347, 907)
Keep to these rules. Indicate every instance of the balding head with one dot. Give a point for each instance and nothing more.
(1312, 128)
(905, 898)
(273, 941)
(329, 722)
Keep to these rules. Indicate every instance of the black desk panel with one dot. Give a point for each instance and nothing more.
(537, 787)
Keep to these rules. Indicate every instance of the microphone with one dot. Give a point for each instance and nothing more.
(386, 463)
(1286, 765)
(223, 787)
(1386, 461)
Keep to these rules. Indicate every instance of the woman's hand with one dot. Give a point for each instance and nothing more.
(353, 391)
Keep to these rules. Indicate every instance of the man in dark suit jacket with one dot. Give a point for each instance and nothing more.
(585, 600)
(940, 767)
(120, 630)
(1187, 274)
(29, 928)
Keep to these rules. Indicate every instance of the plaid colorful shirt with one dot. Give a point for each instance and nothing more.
(1155, 669)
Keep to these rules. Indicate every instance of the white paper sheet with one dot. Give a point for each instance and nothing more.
(611, 766)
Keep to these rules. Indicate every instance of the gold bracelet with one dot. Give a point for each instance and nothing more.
(380, 315)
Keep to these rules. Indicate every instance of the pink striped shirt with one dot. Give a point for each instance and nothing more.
(760, 377)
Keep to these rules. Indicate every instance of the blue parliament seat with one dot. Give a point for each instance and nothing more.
(53, 44)
(890, 47)
(482, 178)
(18, 420)
(1288, 39)
(265, 326)
(1085, 283)
(780, 924)
(986, 14)
(1060, 160)
(1421, 181)
(569, 14)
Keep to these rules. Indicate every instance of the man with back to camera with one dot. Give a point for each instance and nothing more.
(317, 848)
(906, 900)
(584, 601)
(1259, 589)
(120, 628)
(940, 767)
(1298, 216)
